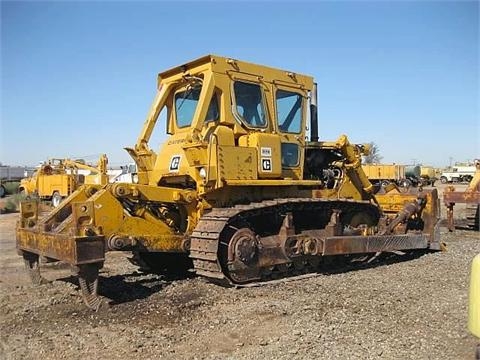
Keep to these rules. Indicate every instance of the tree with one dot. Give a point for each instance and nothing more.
(374, 157)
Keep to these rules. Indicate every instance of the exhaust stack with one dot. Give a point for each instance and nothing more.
(314, 114)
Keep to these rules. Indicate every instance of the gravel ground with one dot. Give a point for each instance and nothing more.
(415, 309)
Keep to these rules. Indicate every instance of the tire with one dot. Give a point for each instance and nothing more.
(443, 180)
(56, 199)
(405, 183)
(2, 191)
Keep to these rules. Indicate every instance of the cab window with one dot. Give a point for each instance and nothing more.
(289, 111)
(290, 152)
(249, 104)
(212, 112)
(185, 105)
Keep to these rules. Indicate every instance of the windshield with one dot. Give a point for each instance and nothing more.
(185, 105)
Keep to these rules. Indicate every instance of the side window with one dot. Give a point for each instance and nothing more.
(289, 154)
(249, 104)
(185, 105)
(212, 112)
(289, 111)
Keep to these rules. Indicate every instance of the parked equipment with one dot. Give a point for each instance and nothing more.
(428, 175)
(58, 178)
(127, 174)
(471, 197)
(403, 176)
(413, 175)
(235, 193)
(385, 174)
(458, 174)
(10, 175)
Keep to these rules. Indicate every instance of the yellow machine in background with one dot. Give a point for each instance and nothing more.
(235, 193)
(58, 178)
(429, 175)
(385, 173)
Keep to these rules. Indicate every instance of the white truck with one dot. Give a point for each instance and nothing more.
(126, 174)
(458, 174)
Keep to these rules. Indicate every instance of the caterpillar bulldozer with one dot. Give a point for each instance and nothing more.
(236, 193)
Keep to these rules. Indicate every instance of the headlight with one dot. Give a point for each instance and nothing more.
(203, 173)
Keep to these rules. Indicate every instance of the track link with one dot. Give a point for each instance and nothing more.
(210, 242)
(473, 216)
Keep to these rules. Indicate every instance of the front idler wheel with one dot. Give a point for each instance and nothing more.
(244, 244)
(243, 252)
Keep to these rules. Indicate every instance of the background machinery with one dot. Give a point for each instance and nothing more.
(428, 175)
(403, 176)
(235, 193)
(470, 197)
(58, 178)
(10, 177)
(458, 174)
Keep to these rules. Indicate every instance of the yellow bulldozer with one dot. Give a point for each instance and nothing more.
(58, 178)
(236, 193)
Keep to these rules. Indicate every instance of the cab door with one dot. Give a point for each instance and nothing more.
(290, 115)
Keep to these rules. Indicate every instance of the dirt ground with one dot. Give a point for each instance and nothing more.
(413, 308)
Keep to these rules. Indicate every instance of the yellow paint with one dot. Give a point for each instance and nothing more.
(216, 154)
(474, 298)
(384, 171)
(61, 176)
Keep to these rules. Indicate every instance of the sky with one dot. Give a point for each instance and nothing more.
(78, 78)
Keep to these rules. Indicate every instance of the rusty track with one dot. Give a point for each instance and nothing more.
(211, 242)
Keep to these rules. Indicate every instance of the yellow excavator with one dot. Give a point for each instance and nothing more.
(236, 193)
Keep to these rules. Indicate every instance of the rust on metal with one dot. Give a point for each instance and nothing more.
(471, 196)
(253, 258)
(75, 250)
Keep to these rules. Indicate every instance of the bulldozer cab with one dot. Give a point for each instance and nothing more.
(229, 121)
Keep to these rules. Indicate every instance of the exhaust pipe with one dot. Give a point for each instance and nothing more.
(314, 114)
